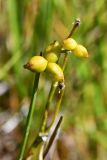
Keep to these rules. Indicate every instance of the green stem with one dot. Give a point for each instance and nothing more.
(15, 27)
(16, 37)
(49, 100)
(52, 91)
(65, 61)
(57, 107)
(30, 115)
(52, 137)
(9, 65)
(76, 24)
(53, 87)
(14, 9)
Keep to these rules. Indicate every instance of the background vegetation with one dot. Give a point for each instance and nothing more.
(26, 27)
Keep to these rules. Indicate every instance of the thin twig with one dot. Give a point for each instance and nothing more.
(57, 107)
(49, 100)
(76, 24)
(52, 137)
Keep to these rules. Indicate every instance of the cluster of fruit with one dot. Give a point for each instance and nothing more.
(48, 62)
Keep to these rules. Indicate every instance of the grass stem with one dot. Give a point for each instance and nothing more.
(30, 115)
(49, 100)
(52, 137)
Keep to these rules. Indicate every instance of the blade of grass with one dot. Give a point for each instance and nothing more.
(15, 32)
(42, 25)
(15, 27)
(29, 117)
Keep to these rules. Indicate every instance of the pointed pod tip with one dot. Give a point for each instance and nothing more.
(78, 21)
(27, 66)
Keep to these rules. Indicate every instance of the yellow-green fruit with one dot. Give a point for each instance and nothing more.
(36, 64)
(81, 51)
(53, 47)
(69, 44)
(51, 57)
(55, 72)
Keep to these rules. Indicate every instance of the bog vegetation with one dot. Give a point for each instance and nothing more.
(26, 30)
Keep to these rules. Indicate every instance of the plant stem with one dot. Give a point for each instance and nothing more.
(30, 115)
(76, 24)
(49, 100)
(57, 107)
(15, 27)
(65, 61)
(52, 137)
(8, 65)
(53, 87)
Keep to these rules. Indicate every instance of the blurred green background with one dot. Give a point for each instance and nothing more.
(26, 28)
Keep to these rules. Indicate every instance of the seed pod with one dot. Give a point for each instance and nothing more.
(55, 72)
(36, 64)
(51, 53)
(53, 47)
(51, 57)
(81, 51)
(69, 44)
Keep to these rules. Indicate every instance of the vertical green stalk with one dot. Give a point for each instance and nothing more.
(15, 31)
(52, 137)
(65, 61)
(57, 107)
(58, 104)
(15, 28)
(49, 100)
(30, 115)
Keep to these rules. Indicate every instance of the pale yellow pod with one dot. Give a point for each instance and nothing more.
(55, 72)
(51, 57)
(36, 64)
(69, 44)
(81, 51)
(53, 47)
